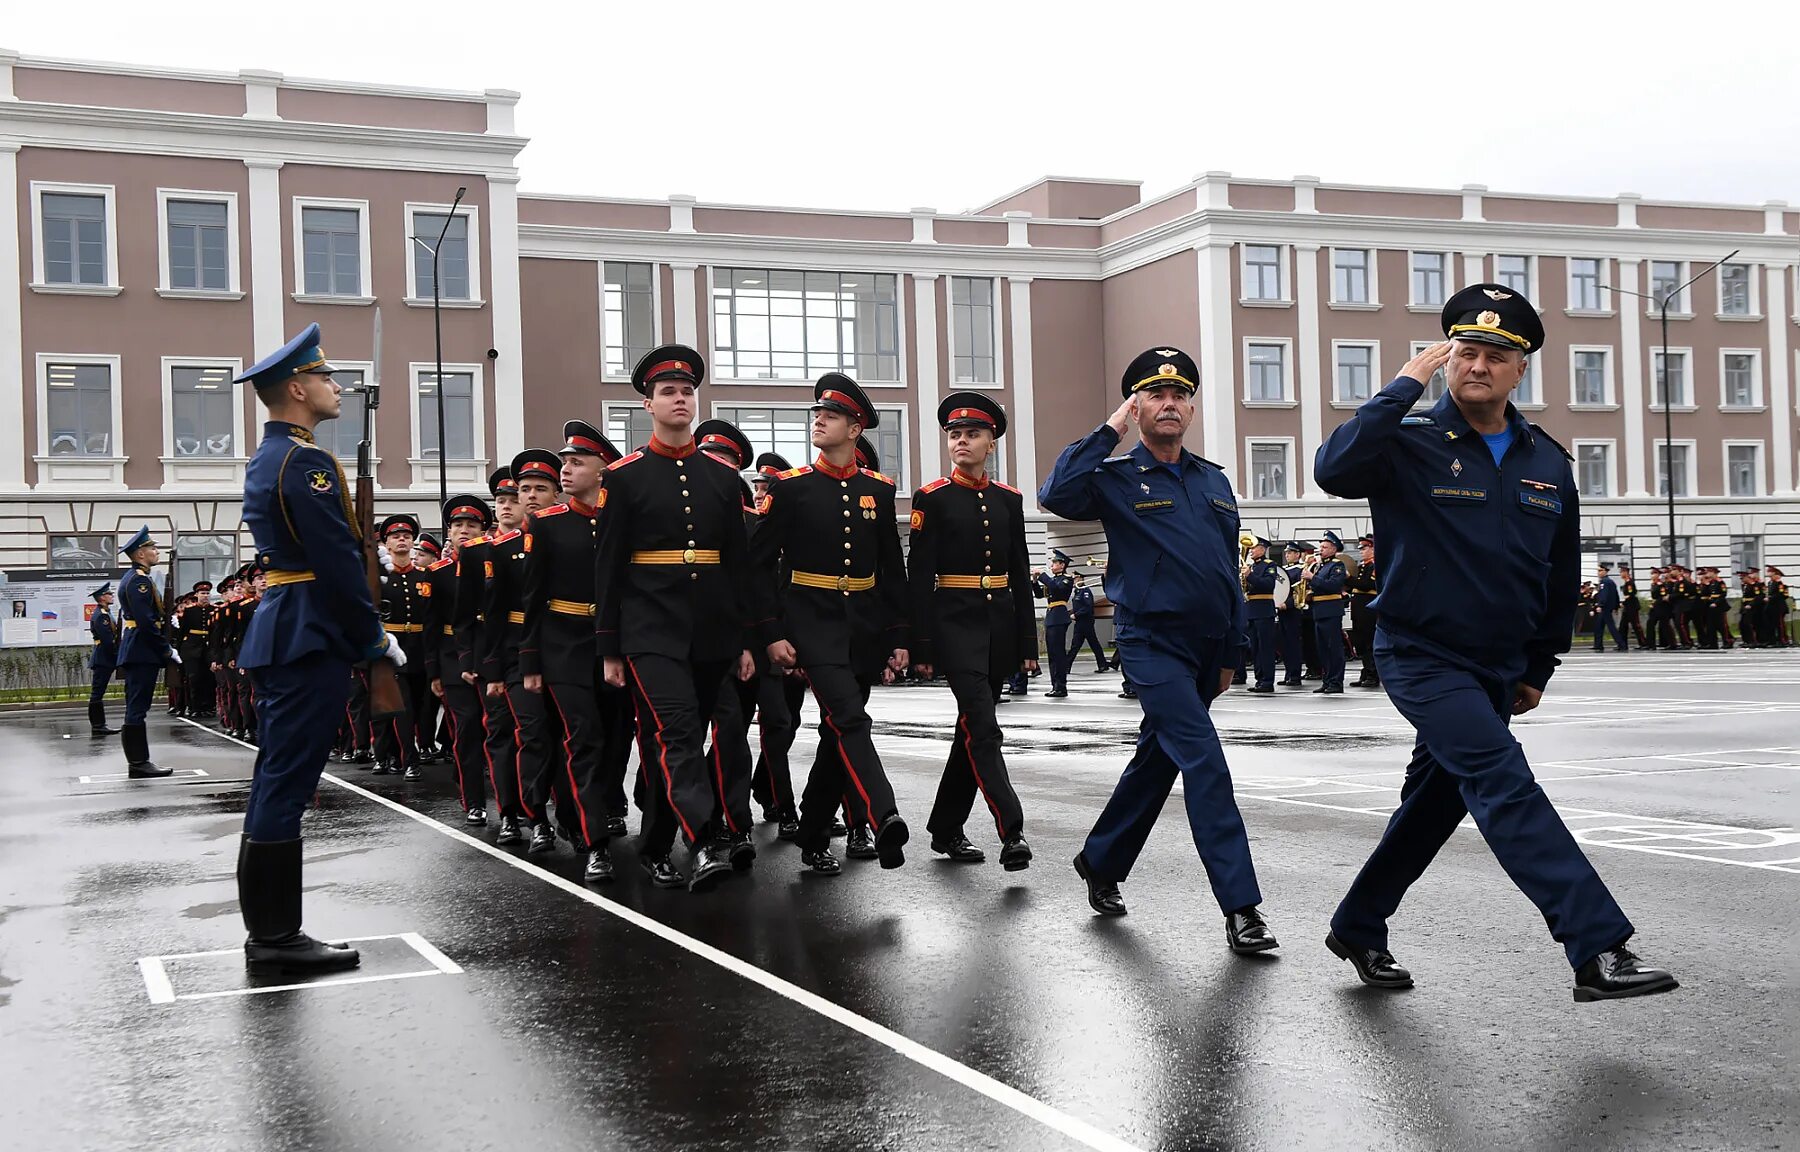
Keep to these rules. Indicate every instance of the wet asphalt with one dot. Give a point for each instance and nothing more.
(568, 1026)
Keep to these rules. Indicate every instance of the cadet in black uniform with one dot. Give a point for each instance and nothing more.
(672, 570)
(466, 516)
(191, 631)
(1630, 608)
(1774, 624)
(840, 615)
(469, 624)
(403, 617)
(779, 694)
(1363, 588)
(976, 627)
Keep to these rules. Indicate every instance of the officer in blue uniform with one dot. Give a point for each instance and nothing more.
(1327, 600)
(1259, 616)
(316, 621)
(104, 628)
(143, 651)
(1288, 617)
(1172, 529)
(1055, 588)
(1081, 609)
(1470, 484)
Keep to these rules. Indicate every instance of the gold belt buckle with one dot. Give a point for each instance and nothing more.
(687, 556)
(843, 583)
(986, 582)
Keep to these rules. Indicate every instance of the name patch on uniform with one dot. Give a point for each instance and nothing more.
(1541, 503)
(1224, 505)
(1143, 506)
(1451, 492)
(918, 519)
(320, 482)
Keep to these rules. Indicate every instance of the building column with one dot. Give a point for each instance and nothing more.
(12, 323)
(1021, 423)
(1313, 380)
(1781, 403)
(1631, 381)
(268, 312)
(925, 371)
(1218, 375)
(508, 316)
(687, 321)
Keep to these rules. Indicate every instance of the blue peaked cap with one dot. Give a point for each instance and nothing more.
(300, 354)
(138, 541)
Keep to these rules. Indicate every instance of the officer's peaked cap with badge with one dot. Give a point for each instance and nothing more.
(468, 506)
(772, 464)
(537, 464)
(669, 362)
(501, 482)
(201, 586)
(836, 392)
(866, 456)
(104, 590)
(397, 521)
(1160, 367)
(583, 439)
(972, 410)
(301, 354)
(724, 436)
(1494, 314)
(1334, 540)
(138, 539)
(1059, 556)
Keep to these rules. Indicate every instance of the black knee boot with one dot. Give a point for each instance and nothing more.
(268, 877)
(136, 741)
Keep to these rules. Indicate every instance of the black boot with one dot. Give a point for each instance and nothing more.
(136, 741)
(268, 878)
(97, 720)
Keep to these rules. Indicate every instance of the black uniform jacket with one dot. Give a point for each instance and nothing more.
(965, 533)
(467, 619)
(558, 643)
(438, 586)
(402, 608)
(502, 609)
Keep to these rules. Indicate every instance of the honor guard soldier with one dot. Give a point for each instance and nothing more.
(1471, 484)
(470, 626)
(673, 574)
(1172, 532)
(779, 695)
(143, 651)
(402, 606)
(829, 539)
(557, 655)
(1325, 596)
(1288, 616)
(298, 648)
(103, 626)
(1055, 587)
(1363, 590)
(976, 627)
(465, 518)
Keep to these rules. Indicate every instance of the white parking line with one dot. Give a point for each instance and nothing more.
(162, 991)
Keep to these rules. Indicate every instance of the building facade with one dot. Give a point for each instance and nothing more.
(168, 226)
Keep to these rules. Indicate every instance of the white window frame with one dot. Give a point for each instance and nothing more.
(1373, 303)
(1682, 307)
(85, 472)
(203, 471)
(112, 286)
(233, 289)
(1531, 272)
(361, 207)
(1756, 380)
(1600, 279)
(1413, 303)
(469, 473)
(1287, 400)
(1725, 447)
(1755, 313)
(1612, 464)
(1609, 379)
(473, 212)
(1687, 354)
(367, 368)
(656, 303)
(897, 411)
(1692, 470)
(1532, 364)
(903, 305)
(999, 337)
(1284, 278)
(1286, 443)
(1376, 381)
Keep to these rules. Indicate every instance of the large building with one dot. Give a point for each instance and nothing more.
(167, 226)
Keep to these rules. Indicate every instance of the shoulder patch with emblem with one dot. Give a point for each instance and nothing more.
(600, 500)
(1417, 422)
(934, 486)
(320, 482)
(624, 460)
(764, 503)
(884, 479)
(918, 519)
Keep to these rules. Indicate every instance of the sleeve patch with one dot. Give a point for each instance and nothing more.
(320, 482)
(918, 519)
(487, 569)
(764, 503)
(424, 587)
(600, 500)
(527, 544)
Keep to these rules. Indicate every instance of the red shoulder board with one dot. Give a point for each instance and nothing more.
(934, 485)
(793, 472)
(512, 534)
(624, 460)
(440, 564)
(1008, 487)
(553, 510)
(884, 479)
(472, 543)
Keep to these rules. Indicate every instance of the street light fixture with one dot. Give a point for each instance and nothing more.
(437, 325)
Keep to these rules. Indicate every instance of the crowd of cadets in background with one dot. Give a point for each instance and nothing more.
(1688, 609)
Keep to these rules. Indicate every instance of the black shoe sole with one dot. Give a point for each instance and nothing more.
(1081, 870)
(742, 857)
(950, 856)
(293, 968)
(1249, 949)
(1016, 865)
(1339, 950)
(596, 878)
(890, 842)
(708, 877)
(541, 849)
(1585, 995)
(506, 838)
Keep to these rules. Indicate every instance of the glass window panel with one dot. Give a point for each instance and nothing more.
(1428, 278)
(74, 238)
(972, 329)
(1514, 272)
(204, 557)
(200, 411)
(78, 409)
(629, 428)
(83, 552)
(630, 320)
(1269, 471)
(1584, 284)
(1671, 376)
(1262, 272)
(1684, 551)
(458, 399)
(331, 244)
(1355, 369)
(1740, 380)
(1741, 469)
(1590, 377)
(1746, 553)
(1678, 458)
(453, 254)
(1734, 289)
(1267, 372)
(197, 244)
(1665, 277)
(1350, 276)
(1593, 464)
(1526, 392)
(819, 322)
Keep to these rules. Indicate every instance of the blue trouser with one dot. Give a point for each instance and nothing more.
(97, 697)
(1293, 653)
(298, 705)
(1262, 650)
(1604, 623)
(1056, 643)
(1466, 761)
(1329, 632)
(140, 690)
(1176, 678)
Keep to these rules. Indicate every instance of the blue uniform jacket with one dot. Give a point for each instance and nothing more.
(1171, 531)
(1328, 580)
(141, 620)
(1444, 510)
(1259, 590)
(1608, 596)
(1081, 603)
(1056, 590)
(101, 627)
(298, 509)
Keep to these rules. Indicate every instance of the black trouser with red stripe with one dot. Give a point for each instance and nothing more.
(541, 772)
(396, 739)
(778, 700)
(617, 720)
(576, 733)
(675, 700)
(729, 757)
(850, 771)
(500, 745)
(976, 763)
(462, 705)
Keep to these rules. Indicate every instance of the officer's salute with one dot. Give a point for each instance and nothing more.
(1470, 482)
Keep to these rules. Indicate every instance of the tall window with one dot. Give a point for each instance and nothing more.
(1743, 469)
(331, 251)
(341, 434)
(630, 428)
(1434, 387)
(1267, 372)
(1740, 380)
(1262, 272)
(1676, 457)
(1355, 372)
(200, 409)
(1584, 284)
(452, 257)
(1734, 289)
(79, 409)
(972, 329)
(457, 395)
(1428, 279)
(1665, 277)
(630, 319)
(204, 557)
(1683, 551)
(1350, 275)
(788, 432)
(74, 238)
(1269, 471)
(1746, 553)
(1593, 469)
(1590, 377)
(1671, 379)
(198, 257)
(1514, 272)
(779, 325)
(1527, 390)
(83, 552)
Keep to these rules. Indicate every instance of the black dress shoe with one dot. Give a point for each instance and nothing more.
(599, 868)
(146, 771)
(383, 768)
(475, 817)
(742, 851)
(1246, 933)
(860, 845)
(1261, 689)
(959, 849)
(617, 828)
(412, 772)
(711, 861)
(1291, 684)
(362, 756)
(1319, 689)
(837, 829)
(105, 732)
(787, 829)
(1374, 967)
(662, 871)
(1103, 895)
(822, 862)
(1128, 693)
(542, 840)
(298, 954)
(1334, 690)
(1056, 693)
(1015, 854)
(509, 831)
(890, 841)
(1617, 973)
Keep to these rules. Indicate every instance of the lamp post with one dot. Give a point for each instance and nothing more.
(437, 325)
(1668, 406)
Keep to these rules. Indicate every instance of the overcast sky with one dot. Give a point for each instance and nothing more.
(894, 105)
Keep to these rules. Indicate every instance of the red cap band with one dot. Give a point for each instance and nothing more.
(468, 511)
(507, 485)
(841, 398)
(972, 414)
(537, 466)
(657, 370)
(724, 442)
(586, 445)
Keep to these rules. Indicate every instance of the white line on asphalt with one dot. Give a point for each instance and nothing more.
(156, 980)
(1078, 1130)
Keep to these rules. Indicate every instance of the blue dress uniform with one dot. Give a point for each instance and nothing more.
(1288, 618)
(1055, 588)
(1081, 608)
(1172, 576)
(1259, 619)
(1443, 499)
(104, 628)
(1327, 600)
(143, 650)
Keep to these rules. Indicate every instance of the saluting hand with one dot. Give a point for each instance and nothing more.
(1124, 416)
(1425, 365)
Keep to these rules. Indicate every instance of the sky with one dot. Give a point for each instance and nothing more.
(889, 106)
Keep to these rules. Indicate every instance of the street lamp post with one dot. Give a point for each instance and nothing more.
(437, 325)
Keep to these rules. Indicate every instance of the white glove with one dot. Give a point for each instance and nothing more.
(175, 656)
(395, 652)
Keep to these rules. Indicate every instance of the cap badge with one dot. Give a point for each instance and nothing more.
(1456, 467)
(1167, 370)
(1488, 319)
(1496, 294)
(1165, 351)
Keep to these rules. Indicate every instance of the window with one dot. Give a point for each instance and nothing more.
(972, 330)
(83, 552)
(453, 254)
(629, 428)
(1434, 387)
(1265, 373)
(458, 398)
(779, 325)
(1684, 551)
(1428, 279)
(79, 409)
(1681, 456)
(788, 433)
(1665, 277)
(197, 236)
(341, 435)
(1525, 394)
(200, 406)
(1738, 380)
(1584, 285)
(1746, 554)
(1674, 368)
(334, 247)
(1593, 469)
(1269, 470)
(77, 247)
(628, 321)
(1355, 373)
(1262, 272)
(1588, 375)
(1350, 276)
(1743, 469)
(1514, 272)
(208, 557)
(1735, 296)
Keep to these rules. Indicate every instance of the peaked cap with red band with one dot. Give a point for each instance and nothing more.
(972, 410)
(500, 480)
(772, 464)
(670, 362)
(866, 456)
(468, 506)
(839, 393)
(585, 440)
(537, 464)
(404, 520)
(724, 436)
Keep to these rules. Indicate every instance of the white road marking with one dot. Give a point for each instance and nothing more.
(161, 991)
(116, 777)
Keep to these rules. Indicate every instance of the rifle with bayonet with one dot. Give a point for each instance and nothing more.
(385, 701)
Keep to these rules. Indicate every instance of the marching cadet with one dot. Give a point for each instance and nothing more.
(1774, 627)
(1750, 601)
(192, 628)
(557, 655)
(298, 648)
(779, 695)
(465, 518)
(1055, 588)
(977, 628)
(1081, 611)
(1687, 602)
(428, 727)
(673, 573)
(1289, 617)
(402, 606)
(1363, 590)
(1259, 580)
(1631, 625)
(104, 628)
(1172, 531)
(1606, 604)
(1660, 621)
(1718, 608)
(216, 651)
(1472, 484)
(470, 625)
(838, 613)
(1705, 622)
(143, 651)
(1325, 596)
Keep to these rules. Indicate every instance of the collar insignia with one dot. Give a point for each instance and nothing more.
(1145, 487)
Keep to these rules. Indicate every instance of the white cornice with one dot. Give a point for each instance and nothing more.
(208, 76)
